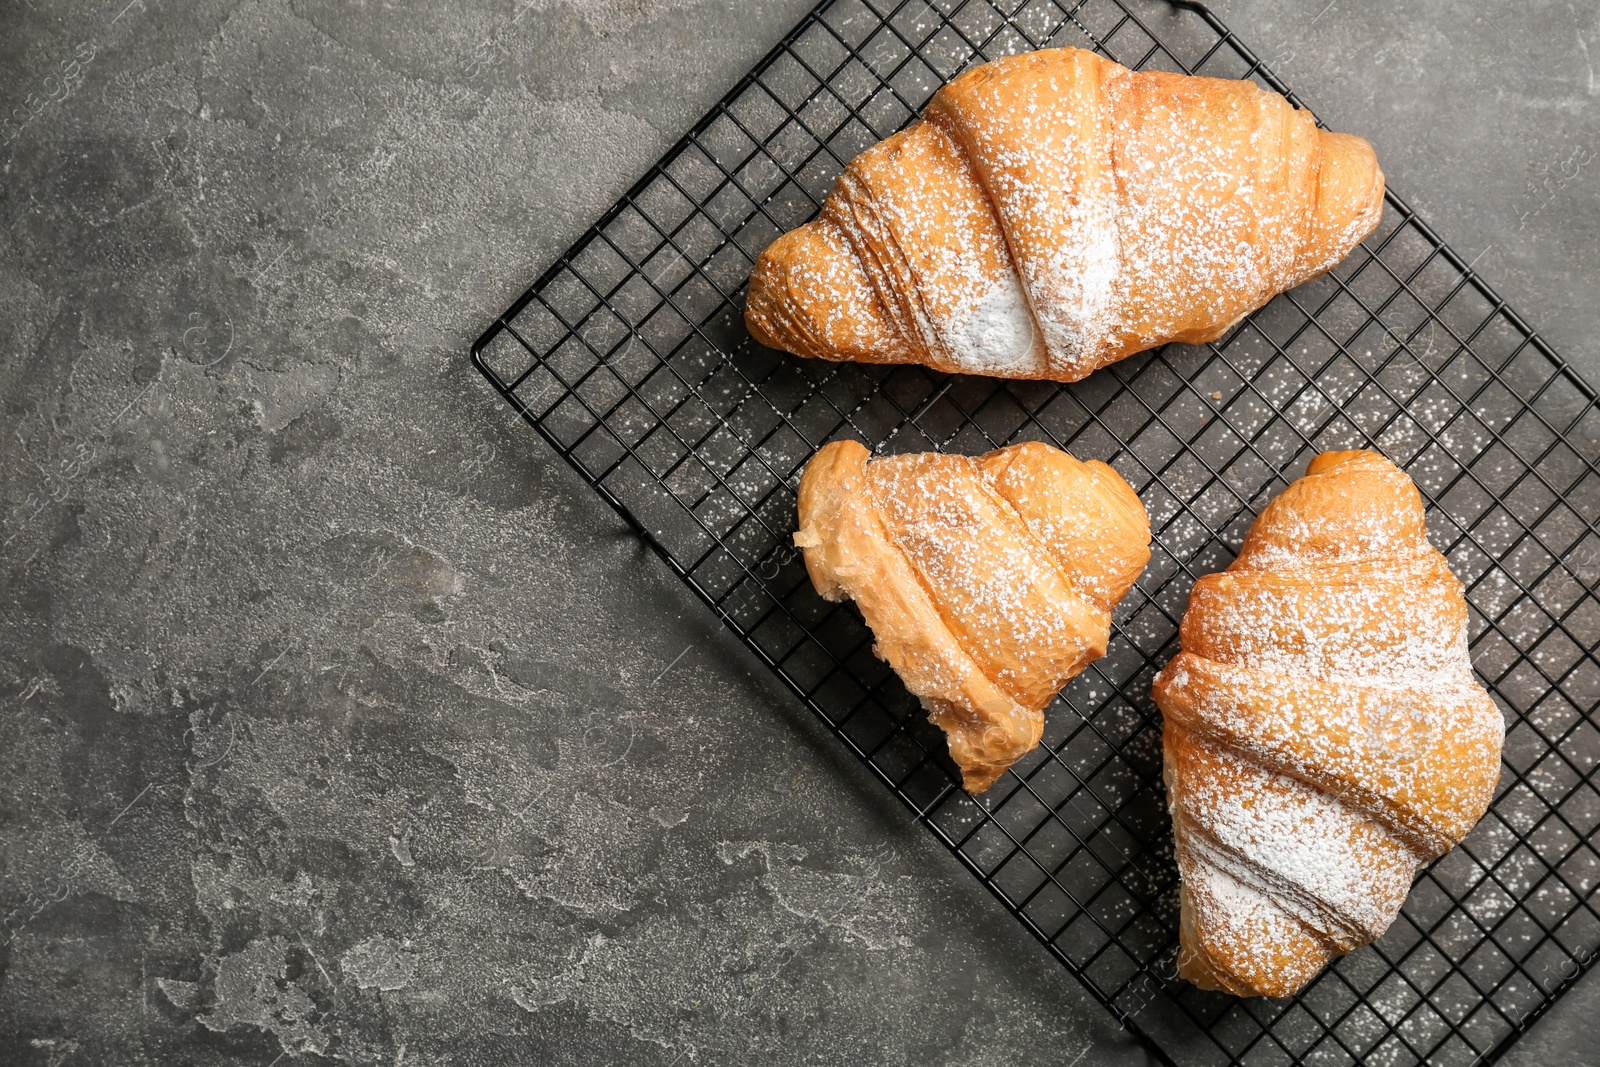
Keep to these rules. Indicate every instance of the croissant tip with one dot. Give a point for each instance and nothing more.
(979, 780)
(1326, 461)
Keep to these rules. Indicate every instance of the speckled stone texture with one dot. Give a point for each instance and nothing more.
(341, 722)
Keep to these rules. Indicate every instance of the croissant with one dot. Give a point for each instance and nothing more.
(1324, 734)
(988, 582)
(1053, 212)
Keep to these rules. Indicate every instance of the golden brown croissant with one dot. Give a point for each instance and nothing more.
(1324, 733)
(1053, 212)
(988, 582)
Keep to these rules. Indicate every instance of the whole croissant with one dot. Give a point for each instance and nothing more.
(1324, 733)
(1053, 212)
(988, 582)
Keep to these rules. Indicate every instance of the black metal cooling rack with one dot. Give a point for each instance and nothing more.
(629, 356)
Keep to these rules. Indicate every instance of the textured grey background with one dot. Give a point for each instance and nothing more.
(340, 720)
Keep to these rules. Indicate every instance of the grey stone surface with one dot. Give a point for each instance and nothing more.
(340, 720)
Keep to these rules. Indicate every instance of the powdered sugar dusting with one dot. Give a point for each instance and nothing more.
(1002, 596)
(1115, 210)
(1324, 733)
(1333, 868)
(983, 621)
(995, 335)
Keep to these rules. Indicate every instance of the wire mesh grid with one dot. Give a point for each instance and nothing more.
(629, 356)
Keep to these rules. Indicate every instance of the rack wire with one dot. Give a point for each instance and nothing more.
(630, 358)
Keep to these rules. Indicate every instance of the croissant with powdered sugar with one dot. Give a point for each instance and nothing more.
(987, 581)
(1324, 735)
(1053, 212)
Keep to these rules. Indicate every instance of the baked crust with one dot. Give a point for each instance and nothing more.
(987, 581)
(1324, 733)
(1053, 211)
